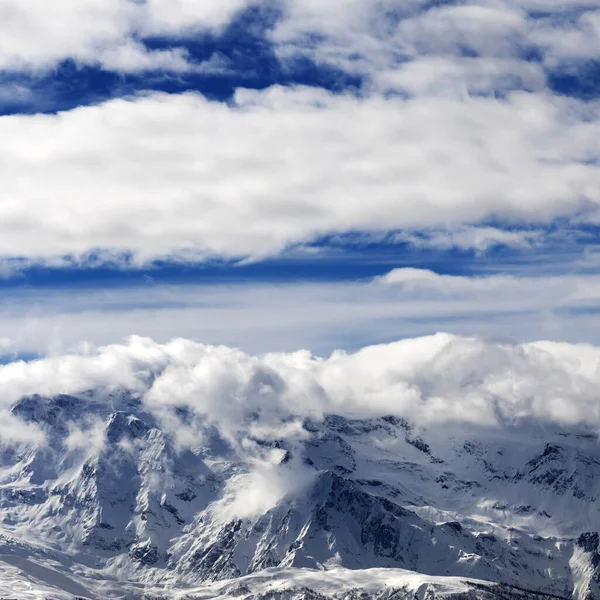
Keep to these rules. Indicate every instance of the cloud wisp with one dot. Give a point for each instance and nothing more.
(262, 317)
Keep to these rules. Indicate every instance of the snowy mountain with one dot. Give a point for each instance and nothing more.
(375, 494)
(116, 496)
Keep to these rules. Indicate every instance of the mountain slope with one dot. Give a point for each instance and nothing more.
(111, 496)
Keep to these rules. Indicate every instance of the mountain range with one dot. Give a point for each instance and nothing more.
(112, 505)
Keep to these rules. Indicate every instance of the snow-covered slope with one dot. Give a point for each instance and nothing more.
(118, 496)
(111, 497)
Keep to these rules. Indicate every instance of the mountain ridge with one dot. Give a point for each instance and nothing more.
(127, 503)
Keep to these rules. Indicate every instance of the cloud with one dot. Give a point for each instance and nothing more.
(357, 36)
(198, 392)
(569, 39)
(478, 239)
(177, 175)
(89, 441)
(14, 431)
(460, 77)
(118, 366)
(430, 381)
(319, 316)
(426, 280)
(253, 493)
(453, 124)
(391, 40)
(39, 35)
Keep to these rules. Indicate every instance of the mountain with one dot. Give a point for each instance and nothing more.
(112, 504)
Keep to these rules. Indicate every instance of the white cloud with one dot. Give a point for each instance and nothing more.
(390, 40)
(430, 380)
(572, 39)
(182, 177)
(38, 35)
(179, 175)
(425, 280)
(360, 36)
(89, 441)
(253, 493)
(460, 76)
(479, 239)
(15, 431)
(489, 30)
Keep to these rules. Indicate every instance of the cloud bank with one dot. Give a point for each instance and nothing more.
(440, 379)
(177, 175)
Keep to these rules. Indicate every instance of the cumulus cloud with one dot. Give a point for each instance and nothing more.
(177, 175)
(100, 33)
(416, 46)
(430, 381)
(361, 36)
(118, 366)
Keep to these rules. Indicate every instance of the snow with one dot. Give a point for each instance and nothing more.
(329, 583)
(113, 505)
(36, 572)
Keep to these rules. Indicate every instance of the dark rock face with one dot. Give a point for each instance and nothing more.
(123, 425)
(454, 525)
(588, 542)
(553, 469)
(52, 413)
(215, 560)
(145, 553)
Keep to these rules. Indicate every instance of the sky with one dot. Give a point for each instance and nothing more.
(297, 174)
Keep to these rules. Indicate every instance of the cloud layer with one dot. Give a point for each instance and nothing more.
(318, 316)
(432, 380)
(358, 36)
(177, 175)
(454, 119)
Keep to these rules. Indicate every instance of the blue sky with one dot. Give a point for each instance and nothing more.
(298, 174)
